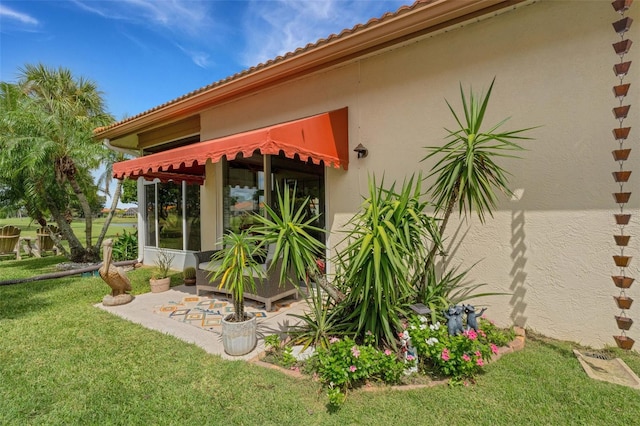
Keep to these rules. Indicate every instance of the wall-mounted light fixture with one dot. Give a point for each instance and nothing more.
(361, 150)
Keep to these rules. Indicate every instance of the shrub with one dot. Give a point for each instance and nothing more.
(459, 357)
(344, 365)
(125, 246)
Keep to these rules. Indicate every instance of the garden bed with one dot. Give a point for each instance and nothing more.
(409, 382)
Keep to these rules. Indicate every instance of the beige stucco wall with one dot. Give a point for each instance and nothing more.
(551, 247)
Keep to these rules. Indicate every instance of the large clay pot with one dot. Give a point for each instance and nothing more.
(239, 338)
(160, 285)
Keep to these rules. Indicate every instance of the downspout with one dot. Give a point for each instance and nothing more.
(134, 153)
(621, 176)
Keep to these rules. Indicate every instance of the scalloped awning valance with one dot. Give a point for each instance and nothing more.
(320, 138)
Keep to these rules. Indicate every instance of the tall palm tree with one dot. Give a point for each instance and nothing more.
(467, 172)
(47, 122)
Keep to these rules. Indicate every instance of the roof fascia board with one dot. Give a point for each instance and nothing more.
(405, 25)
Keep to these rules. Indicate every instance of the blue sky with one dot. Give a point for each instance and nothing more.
(143, 53)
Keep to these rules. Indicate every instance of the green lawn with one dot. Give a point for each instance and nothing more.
(118, 224)
(63, 361)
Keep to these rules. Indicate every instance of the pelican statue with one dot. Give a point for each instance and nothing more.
(114, 277)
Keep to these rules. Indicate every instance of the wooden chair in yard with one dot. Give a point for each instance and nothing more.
(9, 239)
(44, 242)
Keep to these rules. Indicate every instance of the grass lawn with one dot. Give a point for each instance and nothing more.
(118, 224)
(63, 361)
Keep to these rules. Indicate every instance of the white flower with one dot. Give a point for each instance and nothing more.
(431, 341)
(435, 326)
(405, 335)
(413, 327)
(423, 326)
(422, 318)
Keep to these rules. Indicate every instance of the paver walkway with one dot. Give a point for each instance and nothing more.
(141, 311)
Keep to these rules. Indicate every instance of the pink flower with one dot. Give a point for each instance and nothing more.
(482, 333)
(494, 349)
(445, 354)
(387, 352)
(471, 334)
(333, 340)
(478, 354)
(410, 357)
(353, 368)
(466, 357)
(295, 368)
(480, 362)
(355, 352)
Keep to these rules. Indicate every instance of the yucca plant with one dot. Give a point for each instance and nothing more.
(385, 248)
(467, 172)
(237, 267)
(289, 228)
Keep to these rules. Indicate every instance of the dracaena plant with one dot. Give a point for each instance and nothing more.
(466, 171)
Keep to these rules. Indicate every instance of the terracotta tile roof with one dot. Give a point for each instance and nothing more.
(299, 51)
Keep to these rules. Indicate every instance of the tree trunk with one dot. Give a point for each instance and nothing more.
(107, 222)
(331, 290)
(86, 208)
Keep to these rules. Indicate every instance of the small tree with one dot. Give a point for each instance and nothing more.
(467, 172)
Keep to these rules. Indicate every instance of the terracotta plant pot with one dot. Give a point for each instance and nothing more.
(621, 281)
(622, 197)
(621, 133)
(623, 25)
(622, 261)
(621, 112)
(621, 90)
(624, 323)
(621, 5)
(621, 176)
(622, 219)
(622, 240)
(624, 342)
(622, 47)
(189, 281)
(623, 302)
(621, 154)
(621, 69)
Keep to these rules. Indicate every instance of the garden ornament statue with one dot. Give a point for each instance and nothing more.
(115, 278)
(454, 320)
(409, 352)
(472, 316)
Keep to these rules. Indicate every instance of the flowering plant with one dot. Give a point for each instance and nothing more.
(460, 356)
(345, 364)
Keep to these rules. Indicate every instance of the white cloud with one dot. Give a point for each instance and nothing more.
(5, 12)
(274, 28)
(176, 16)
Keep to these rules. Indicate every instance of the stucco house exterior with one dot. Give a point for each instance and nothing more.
(206, 158)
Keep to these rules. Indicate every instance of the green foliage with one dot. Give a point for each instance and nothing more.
(459, 357)
(235, 264)
(129, 191)
(278, 353)
(467, 172)
(291, 230)
(386, 245)
(163, 264)
(48, 152)
(319, 322)
(125, 246)
(345, 365)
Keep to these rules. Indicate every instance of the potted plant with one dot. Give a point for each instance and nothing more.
(189, 275)
(160, 280)
(236, 268)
